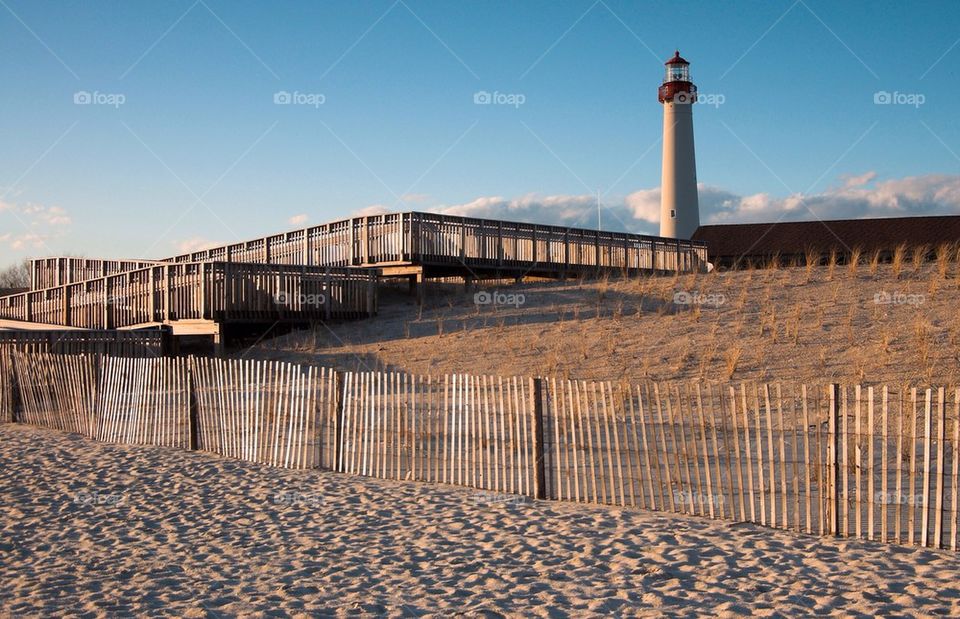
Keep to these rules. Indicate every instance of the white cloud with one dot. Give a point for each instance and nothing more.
(27, 240)
(645, 205)
(38, 215)
(195, 243)
(298, 220)
(851, 181)
(560, 210)
(55, 216)
(40, 224)
(373, 209)
(859, 196)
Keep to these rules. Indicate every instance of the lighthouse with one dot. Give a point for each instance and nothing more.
(679, 207)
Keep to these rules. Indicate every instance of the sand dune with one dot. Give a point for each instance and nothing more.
(782, 327)
(104, 530)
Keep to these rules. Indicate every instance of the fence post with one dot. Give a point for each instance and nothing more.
(833, 467)
(539, 484)
(193, 411)
(16, 399)
(338, 400)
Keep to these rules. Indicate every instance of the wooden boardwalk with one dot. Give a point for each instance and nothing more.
(428, 244)
(185, 295)
(322, 272)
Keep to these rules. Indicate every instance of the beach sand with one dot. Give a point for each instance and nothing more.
(107, 530)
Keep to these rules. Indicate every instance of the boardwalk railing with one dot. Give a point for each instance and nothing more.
(200, 291)
(428, 238)
(871, 462)
(57, 271)
(424, 239)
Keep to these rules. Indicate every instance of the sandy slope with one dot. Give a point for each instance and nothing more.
(772, 325)
(110, 530)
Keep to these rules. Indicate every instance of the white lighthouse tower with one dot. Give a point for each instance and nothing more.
(679, 207)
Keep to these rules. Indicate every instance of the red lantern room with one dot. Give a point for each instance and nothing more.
(677, 86)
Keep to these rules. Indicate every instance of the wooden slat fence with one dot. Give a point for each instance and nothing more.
(143, 343)
(143, 402)
(871, 462)
(56, 391)
(474, 431)
(6, 385)
(274, 413)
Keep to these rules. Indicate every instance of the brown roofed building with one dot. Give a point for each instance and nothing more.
(738, 245)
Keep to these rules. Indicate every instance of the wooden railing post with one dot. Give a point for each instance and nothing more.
(106, 304)
(351, 226)
(153, 294)
(539, 483)
(365, 241)
(534, 256)
(166, 293)
(66, 306)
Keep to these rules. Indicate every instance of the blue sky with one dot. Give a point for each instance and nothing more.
(183, 143)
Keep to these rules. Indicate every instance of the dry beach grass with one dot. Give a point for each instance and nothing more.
(816, 325)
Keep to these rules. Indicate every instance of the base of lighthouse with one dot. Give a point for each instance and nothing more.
(679, 205)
